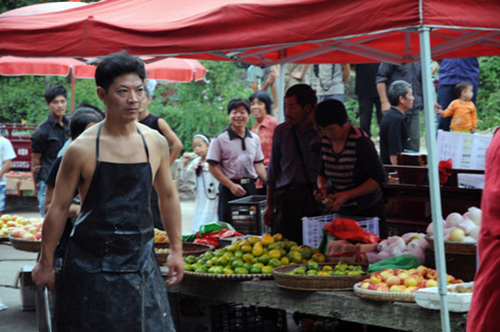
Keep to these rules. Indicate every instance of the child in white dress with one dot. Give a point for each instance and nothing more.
(206, 185)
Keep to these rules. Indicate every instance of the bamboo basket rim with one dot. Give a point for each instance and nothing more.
(454, 247)
(382, 296)
(188, 248)
(25, 245)
(312, 282)
(241, 277)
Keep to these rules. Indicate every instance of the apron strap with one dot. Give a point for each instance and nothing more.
(145, 144)
(97, 141)
(99, 135)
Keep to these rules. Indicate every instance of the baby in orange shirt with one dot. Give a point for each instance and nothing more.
(462, 109)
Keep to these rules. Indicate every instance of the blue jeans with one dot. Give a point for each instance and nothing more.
(41, 187)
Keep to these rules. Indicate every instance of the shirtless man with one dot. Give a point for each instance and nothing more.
(110, 277)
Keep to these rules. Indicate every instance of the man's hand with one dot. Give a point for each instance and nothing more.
(338, 200)
(43, 275)
(175, 264)
(237, 190)
(385, 105)
(268, 217)
(297, 75)
(36, 169)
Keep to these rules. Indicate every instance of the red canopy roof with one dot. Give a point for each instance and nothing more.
(260, 31)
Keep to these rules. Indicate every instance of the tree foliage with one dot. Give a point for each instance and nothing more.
(188, 108)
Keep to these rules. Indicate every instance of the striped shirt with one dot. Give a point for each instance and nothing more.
(350, 168)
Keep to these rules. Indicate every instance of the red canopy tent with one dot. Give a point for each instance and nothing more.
(259, 31)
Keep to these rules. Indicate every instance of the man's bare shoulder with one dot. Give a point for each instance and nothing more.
(85, 144)
(152, 136)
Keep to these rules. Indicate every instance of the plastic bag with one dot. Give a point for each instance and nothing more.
(444, 168)
(324, 241)
(214, 227)
(405, 262)
(348, 229)
(212, 238)
(344, 251)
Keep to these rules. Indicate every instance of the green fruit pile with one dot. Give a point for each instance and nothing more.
(253, 255)
(341, 269)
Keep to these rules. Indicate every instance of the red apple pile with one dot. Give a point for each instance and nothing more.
(22, 228)
(404, 281)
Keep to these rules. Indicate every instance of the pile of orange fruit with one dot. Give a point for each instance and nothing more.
(253, 255)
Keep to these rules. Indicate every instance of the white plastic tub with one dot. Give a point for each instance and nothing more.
(457, 302)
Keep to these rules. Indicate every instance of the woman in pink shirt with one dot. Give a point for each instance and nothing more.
(261, 107)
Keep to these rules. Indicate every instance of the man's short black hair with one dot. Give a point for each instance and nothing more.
(53, 91)
(237, 102)
(330, 112)
(303, 93)
(117, 64)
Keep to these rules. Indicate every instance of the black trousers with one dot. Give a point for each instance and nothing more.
(290, 205)
(225, 196)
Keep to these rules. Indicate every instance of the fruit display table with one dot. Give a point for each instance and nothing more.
(343, 305)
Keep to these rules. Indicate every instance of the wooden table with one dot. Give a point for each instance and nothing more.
(343, 305)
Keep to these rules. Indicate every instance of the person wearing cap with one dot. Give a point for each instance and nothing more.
(235, 158)
(350, 165)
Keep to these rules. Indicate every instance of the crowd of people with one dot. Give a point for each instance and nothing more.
(112, 185)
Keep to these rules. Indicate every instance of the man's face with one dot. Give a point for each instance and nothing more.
(407, 100)
(58, 106)
(238, 117)
(124, 97)
(295, 113)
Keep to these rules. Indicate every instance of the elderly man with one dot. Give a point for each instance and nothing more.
(393, 128)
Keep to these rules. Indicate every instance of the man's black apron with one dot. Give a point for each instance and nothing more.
(111, 280)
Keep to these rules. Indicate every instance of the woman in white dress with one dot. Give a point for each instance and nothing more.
(206, 185)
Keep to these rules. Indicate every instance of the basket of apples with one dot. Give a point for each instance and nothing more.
(27, 238)
(399, 284)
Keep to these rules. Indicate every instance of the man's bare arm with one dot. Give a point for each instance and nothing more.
(170, 210)
(55, 221)
(261, 171)
(382, 93)
(172, 138)
(36, 162)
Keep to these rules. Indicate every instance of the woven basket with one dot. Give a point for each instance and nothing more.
(241, 277)
(382, 296)
(25, 245)
(188, 248)
(454, 247)
(312, 282)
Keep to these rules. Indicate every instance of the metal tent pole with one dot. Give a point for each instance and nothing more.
(432, 165)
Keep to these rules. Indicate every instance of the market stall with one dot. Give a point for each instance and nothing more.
(343, 305)
(403, 32)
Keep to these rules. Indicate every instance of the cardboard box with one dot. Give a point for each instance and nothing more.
(12, 187)
(27, 185)
(28, 288)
